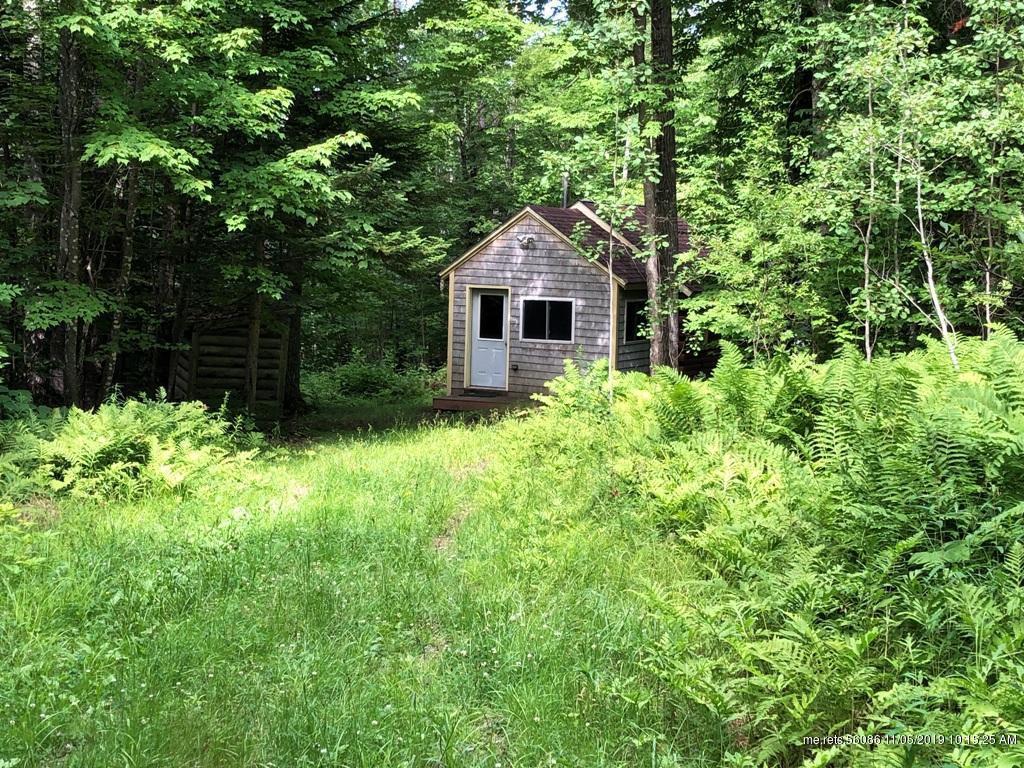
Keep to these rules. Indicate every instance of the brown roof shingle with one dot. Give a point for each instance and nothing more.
(634, 231)
(627, 266)
(580, 228)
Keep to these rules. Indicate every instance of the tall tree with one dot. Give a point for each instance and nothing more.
(656, 119)
(69, 106)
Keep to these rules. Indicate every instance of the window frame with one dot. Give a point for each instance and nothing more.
(522, 319)
(625, 322)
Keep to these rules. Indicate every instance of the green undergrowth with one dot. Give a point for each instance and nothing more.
(365, 395)
(122, 450)
(847, 548)
(376, 599)
(360, 381)
(684, 574)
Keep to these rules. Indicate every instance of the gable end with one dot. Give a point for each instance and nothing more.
(525, 213)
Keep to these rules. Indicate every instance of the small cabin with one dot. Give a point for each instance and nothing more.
(537, 291)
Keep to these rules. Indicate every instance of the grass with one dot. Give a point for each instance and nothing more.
(328, 419)
(697, 573)
(377, 599)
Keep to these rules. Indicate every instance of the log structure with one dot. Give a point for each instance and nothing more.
(217, 363)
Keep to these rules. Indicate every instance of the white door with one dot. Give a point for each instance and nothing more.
(489, 355)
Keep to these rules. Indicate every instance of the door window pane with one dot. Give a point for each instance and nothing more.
(492, 316)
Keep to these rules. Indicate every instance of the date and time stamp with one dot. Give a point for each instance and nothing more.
(916, 739)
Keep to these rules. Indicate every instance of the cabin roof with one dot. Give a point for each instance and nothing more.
(634, 230)
(571, 221)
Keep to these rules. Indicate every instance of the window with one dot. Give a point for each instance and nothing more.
(547, 319)
(636, 323)
(492, 316)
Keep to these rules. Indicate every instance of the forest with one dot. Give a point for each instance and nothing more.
(810, 553)
(853, 168)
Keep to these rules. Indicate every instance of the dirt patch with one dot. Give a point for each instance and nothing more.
(739, 730)
(437, 644)
(493, 727)
(40, 512)
(459, 474)
(444, 542)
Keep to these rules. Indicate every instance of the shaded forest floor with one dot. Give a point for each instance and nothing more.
(326, 421)
(362, 599)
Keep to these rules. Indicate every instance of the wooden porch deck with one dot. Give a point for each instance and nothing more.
(470, 401)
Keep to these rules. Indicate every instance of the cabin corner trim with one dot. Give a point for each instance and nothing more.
(451, 320)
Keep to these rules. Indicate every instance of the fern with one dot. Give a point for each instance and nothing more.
(121, 450)
(909, 462)
(679, 407)
(1015, 565)
(852, 538)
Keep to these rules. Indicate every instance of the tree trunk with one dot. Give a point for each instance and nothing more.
(987, 330)
(178, 215)
(625, 158)
(294, 403)
(131, 197)
(868, 345)
(660, 191)
(32, 69)
(995, 196)
(69, 247)
(252, 352)
(946, 330)
(868, 232)
(652, 266)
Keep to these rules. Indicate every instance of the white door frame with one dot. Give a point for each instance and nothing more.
(472, 327)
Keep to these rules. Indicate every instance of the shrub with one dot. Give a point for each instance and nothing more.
(122, 449)
(579, 391)
(17, 403)
(360, 379)
(853, 539)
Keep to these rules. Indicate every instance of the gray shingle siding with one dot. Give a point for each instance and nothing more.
(631, 355)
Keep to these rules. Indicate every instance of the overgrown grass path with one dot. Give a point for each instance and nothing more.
(372, 601)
